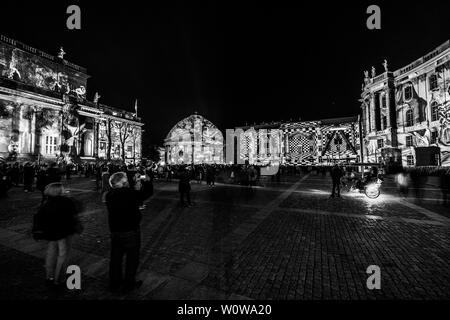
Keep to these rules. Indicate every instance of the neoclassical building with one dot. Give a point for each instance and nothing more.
(406, 112)
(45, 116)
(194, 140)
(321, 142)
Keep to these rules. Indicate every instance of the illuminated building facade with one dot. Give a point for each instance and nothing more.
(406, 112)
(194, 140)
(321, 142)
(45, 116)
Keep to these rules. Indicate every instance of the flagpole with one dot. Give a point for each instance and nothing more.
(135, 107)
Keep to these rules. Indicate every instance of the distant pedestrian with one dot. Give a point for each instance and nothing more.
(199, 174)
(15, 174)
(402, 180)
(232, 176)
(445, 187)
(252, 175)
(184, 186)
(210, 176)
(98, 175)
(28, 177)
(56, 221)
(418, 180)
(336, 175)
(105, 183)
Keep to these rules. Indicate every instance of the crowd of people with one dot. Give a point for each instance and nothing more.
(125, 188)
(417, 178)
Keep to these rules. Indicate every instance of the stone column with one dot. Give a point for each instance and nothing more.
(367, 124)
(372, 114)
(95, 143)
(389, 105)
(364, 118)
(33, 134)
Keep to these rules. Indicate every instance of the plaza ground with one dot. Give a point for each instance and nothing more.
(285, 240)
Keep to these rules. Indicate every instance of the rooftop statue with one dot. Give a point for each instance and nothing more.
(385, 65)
(61, 53)
(96, 97)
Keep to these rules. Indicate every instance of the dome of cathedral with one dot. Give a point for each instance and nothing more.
(194, 138)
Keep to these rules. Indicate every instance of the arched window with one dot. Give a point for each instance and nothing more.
(434, 111)
(409, 118)
(433, 82)
(408, 92)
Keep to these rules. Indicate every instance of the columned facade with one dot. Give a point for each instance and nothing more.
(45, 116)
(409, 125)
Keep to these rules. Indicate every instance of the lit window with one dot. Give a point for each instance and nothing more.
(409, 118)
(410, 160)
(434, 111)
(408, 93)
(383, 101)
(434, 137)
(380, 143)
(433, 82)
(50, 145)
(384, 122)
(409, 141)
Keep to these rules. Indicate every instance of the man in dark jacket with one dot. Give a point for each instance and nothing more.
(28, 177)
(336, 175)
(124, 219)
(184, 186)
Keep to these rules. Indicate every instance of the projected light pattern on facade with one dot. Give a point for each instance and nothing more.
(194, 140)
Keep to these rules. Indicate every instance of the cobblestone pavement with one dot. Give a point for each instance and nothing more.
(285, 240)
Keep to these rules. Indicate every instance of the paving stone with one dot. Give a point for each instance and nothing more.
(287, 241)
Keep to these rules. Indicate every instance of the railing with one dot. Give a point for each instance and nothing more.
(423, 59)
(35, 51)
(379, 78)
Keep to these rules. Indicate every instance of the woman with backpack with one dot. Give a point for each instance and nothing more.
(56, 221)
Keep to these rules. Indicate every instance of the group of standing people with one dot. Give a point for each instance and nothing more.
(417, 179)
(57, 221)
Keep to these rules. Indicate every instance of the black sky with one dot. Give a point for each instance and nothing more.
(233, 63)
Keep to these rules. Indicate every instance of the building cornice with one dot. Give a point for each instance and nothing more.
(21, 46)
(20, 96)
(107, 116)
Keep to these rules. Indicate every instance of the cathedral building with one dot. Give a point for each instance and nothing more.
(45, 116)
(406, 112)
(194, 140)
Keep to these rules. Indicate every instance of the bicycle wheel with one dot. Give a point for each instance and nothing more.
(372, 193)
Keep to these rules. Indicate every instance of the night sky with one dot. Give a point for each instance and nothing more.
(234, 64)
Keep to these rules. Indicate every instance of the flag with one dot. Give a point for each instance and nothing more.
(135, 108)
